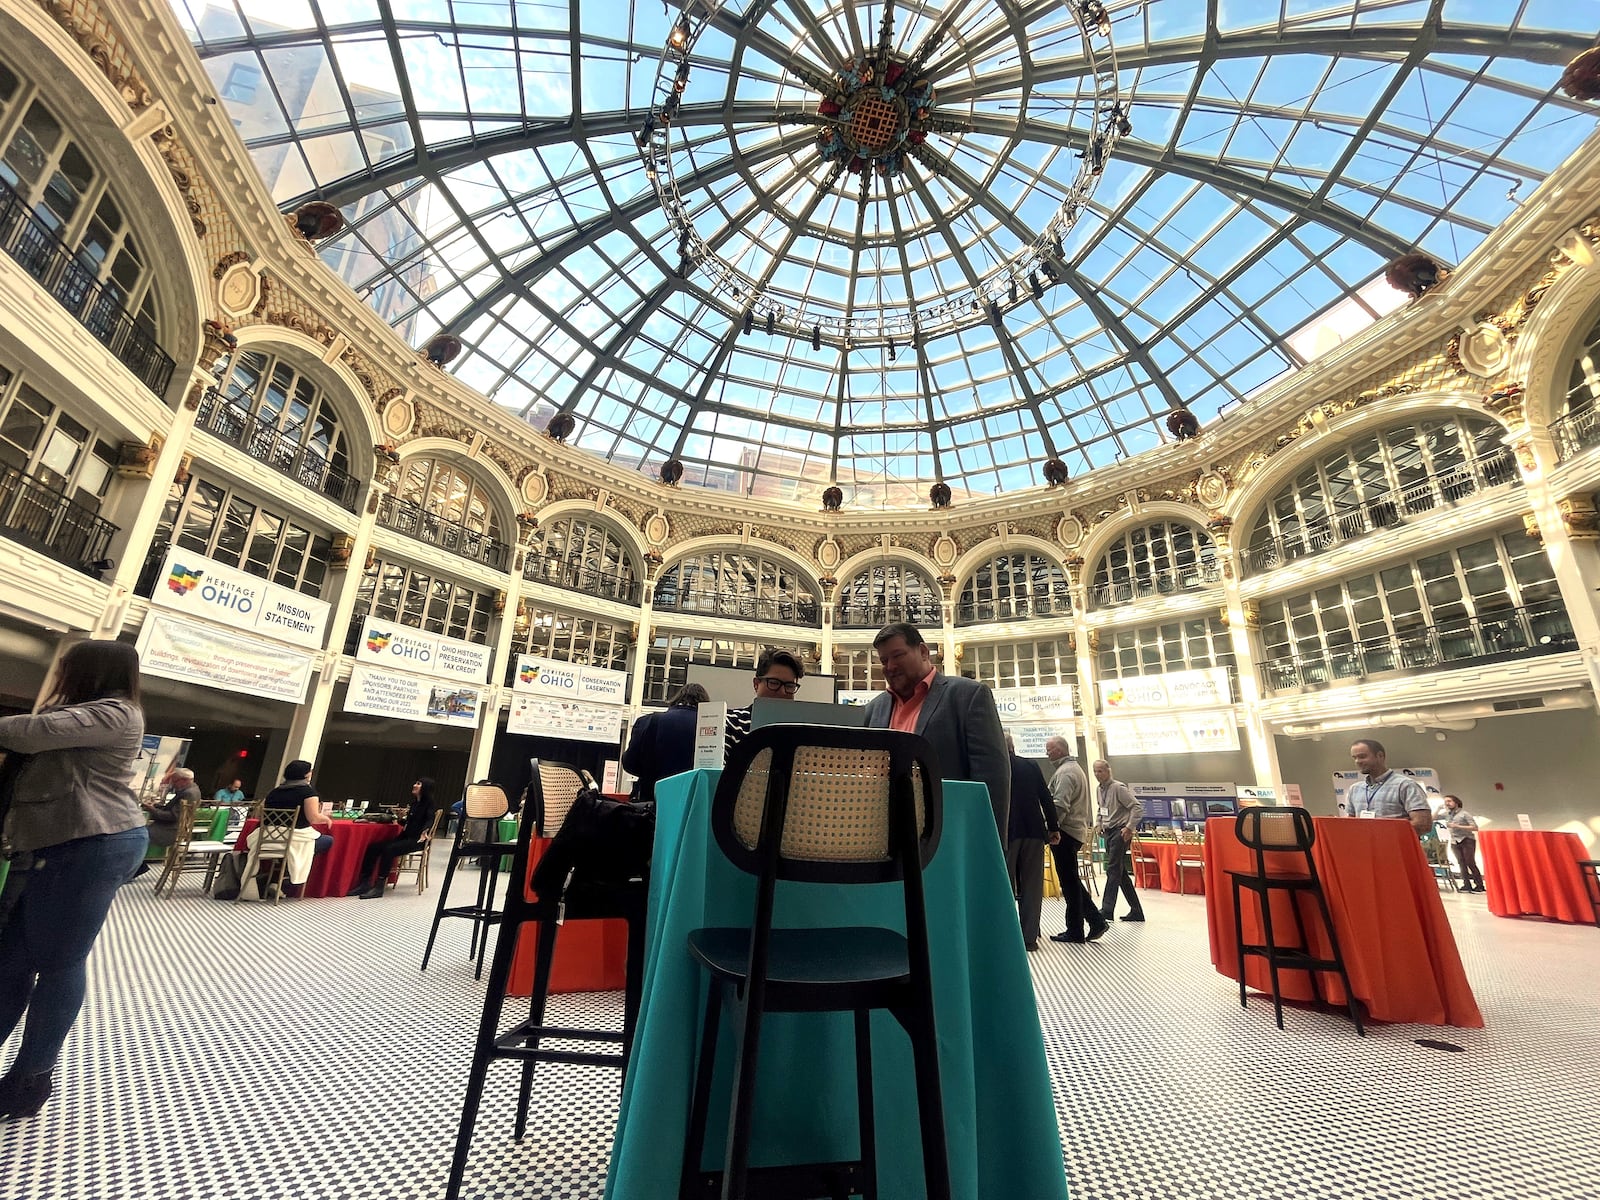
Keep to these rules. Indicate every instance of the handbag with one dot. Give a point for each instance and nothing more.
(602, 843)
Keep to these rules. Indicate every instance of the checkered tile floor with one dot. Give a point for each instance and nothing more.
(297, 1053)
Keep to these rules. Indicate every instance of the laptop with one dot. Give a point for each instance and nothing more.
(764, 712)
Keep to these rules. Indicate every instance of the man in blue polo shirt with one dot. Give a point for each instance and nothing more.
(1385, 793)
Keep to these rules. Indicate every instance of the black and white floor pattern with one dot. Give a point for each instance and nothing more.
(297, 1053)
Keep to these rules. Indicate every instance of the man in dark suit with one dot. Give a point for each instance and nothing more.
(957, 715)
(662, 742)
(1033, 823)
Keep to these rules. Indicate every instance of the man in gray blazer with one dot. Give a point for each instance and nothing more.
(957, 715)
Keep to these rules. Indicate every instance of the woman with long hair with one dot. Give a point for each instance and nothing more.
(414, 837)
(73, 808)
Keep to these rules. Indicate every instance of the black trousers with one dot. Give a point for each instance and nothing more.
(383, 854)
(1080, 903)
(1467, 858)
(1119, 876)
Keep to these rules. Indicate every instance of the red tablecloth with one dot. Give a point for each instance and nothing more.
(1165, 874)
(591, 956)
(1535, 871)
(334, 873)
(1398, 947)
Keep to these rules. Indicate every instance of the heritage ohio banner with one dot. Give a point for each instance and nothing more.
(401, 648)
(199, 652)
(197, 586)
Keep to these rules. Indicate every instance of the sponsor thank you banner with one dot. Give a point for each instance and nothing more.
(548, 716)
(407, 697)
(1171, 733)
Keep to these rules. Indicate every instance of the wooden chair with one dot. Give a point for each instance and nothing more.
(1436, 849)
(417, 860)
(1284, 831)
(810, 804)
(1146, 866)
(1191, 857)
(485, 805)
(272, 837)
(190, 853)
(1090, 855)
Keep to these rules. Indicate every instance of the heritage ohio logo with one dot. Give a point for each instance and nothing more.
(527, 673)
(376, 641)
(183, 580)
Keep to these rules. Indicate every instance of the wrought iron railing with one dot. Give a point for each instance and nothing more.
(802, 610)
(1504, 633)
(927, 614)
(1383, 510)
(416, 522)
(1013, 608)
(1155, 583)
(97, 306)
(52, 523)
(1576, 431)
(267, 444)
(574, 577)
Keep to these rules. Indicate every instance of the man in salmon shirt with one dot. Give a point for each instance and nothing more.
(957, 715)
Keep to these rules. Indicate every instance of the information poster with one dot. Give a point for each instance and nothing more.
(1174, 733)
(407, 697)
(544, 716)
(198, 652)
(401, 648)
(197, 586)
(1173, 690)
(1184, 804)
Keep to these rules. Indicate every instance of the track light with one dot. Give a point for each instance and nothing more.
(1012, 291)
(683, 268)
(772, 322)
(679, 37)
(816, 337)
(891, 349)
(1035, 286)
(749, 320)
(683, 243)
(994, 311)
(649, 127)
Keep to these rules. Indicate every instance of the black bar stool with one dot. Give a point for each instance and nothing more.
(485, 805)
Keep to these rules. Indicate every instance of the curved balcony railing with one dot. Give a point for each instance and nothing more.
(1014, 608)
(1506, 633)
(1156, 583)
(414, 521)
(53, 524)
(97, 306)
(612, 585)
(267, 444)
(804, 610)
(924, 614)
(1383, 511)
(1576, 431)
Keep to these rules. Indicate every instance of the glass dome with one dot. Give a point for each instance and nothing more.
(887, 245)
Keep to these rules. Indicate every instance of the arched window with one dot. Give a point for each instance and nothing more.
(1186, 645)
(1578, 426)
(442, 504)
(1014, 585)
(1023, 664)
(739, 583)
(568, 637)
(1155, 559)
(422, 599)
(582, 554)
(1490, 598)
(891, 591)
(277, 415)
(67, 227)
(1378, 480)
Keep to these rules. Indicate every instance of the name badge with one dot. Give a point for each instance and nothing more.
(1368, 815)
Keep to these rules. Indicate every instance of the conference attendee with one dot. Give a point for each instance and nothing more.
(1069, 795)
(1463, 829)
(232, 794)
(778, 675)
(178, 786)
(1033, 825)
(957, 715)
(1385, 793)
(306, 842)
(74, 811)
(380, 856)
(1120, 814)
(662, 742)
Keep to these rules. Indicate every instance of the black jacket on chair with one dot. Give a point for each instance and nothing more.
(662, 744)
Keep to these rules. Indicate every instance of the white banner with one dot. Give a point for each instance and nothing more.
(1172, 733)
(546, 717)
(1030, 739)
(411, 697)
(399, 648)
(857, 696)
(1175, 689)
(571, 681)
(199, 652)
(1049, 702)
(199, 587)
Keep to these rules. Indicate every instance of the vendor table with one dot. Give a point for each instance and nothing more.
(1398, 946)
(1534, 872)
(334, 873)
(1000, 1115)
(1165, 876)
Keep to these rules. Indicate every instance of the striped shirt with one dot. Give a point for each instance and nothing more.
(1390, 795)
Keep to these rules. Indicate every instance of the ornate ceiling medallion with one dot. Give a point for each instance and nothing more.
(880, 107)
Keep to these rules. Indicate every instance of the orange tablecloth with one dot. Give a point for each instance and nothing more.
(591, 956)
(1535, 871)
(1165, 876)
(1398, 947)
(334, 873)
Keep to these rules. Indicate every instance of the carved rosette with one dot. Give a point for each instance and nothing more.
(1579, 518)
(1211, 489)
(535, 486)
(1069, 530)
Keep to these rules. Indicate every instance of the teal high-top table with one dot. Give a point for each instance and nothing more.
(1000, 1118)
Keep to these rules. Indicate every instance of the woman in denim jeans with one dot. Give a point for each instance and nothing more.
(73, 809)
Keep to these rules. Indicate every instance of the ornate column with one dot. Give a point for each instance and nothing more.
(1085, 645)
(1244, 626)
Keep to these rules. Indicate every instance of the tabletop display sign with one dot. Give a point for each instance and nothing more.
(197, 586)
(709, 731)
(547, 716)
(404, 696)
(569, 681)
(1257, 796)
(1184, 803)
(1292, 796)
(1197, 732)
(157, 756)
(199, 652)
(1173, 690)
(1034, 705)
(401, 648)
(1525, 822)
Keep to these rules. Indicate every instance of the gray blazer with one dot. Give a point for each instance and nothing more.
(960, 719)
(76, 783)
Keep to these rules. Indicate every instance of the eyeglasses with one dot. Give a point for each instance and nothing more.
(773, 684)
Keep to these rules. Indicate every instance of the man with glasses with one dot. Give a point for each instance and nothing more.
(778, 675)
